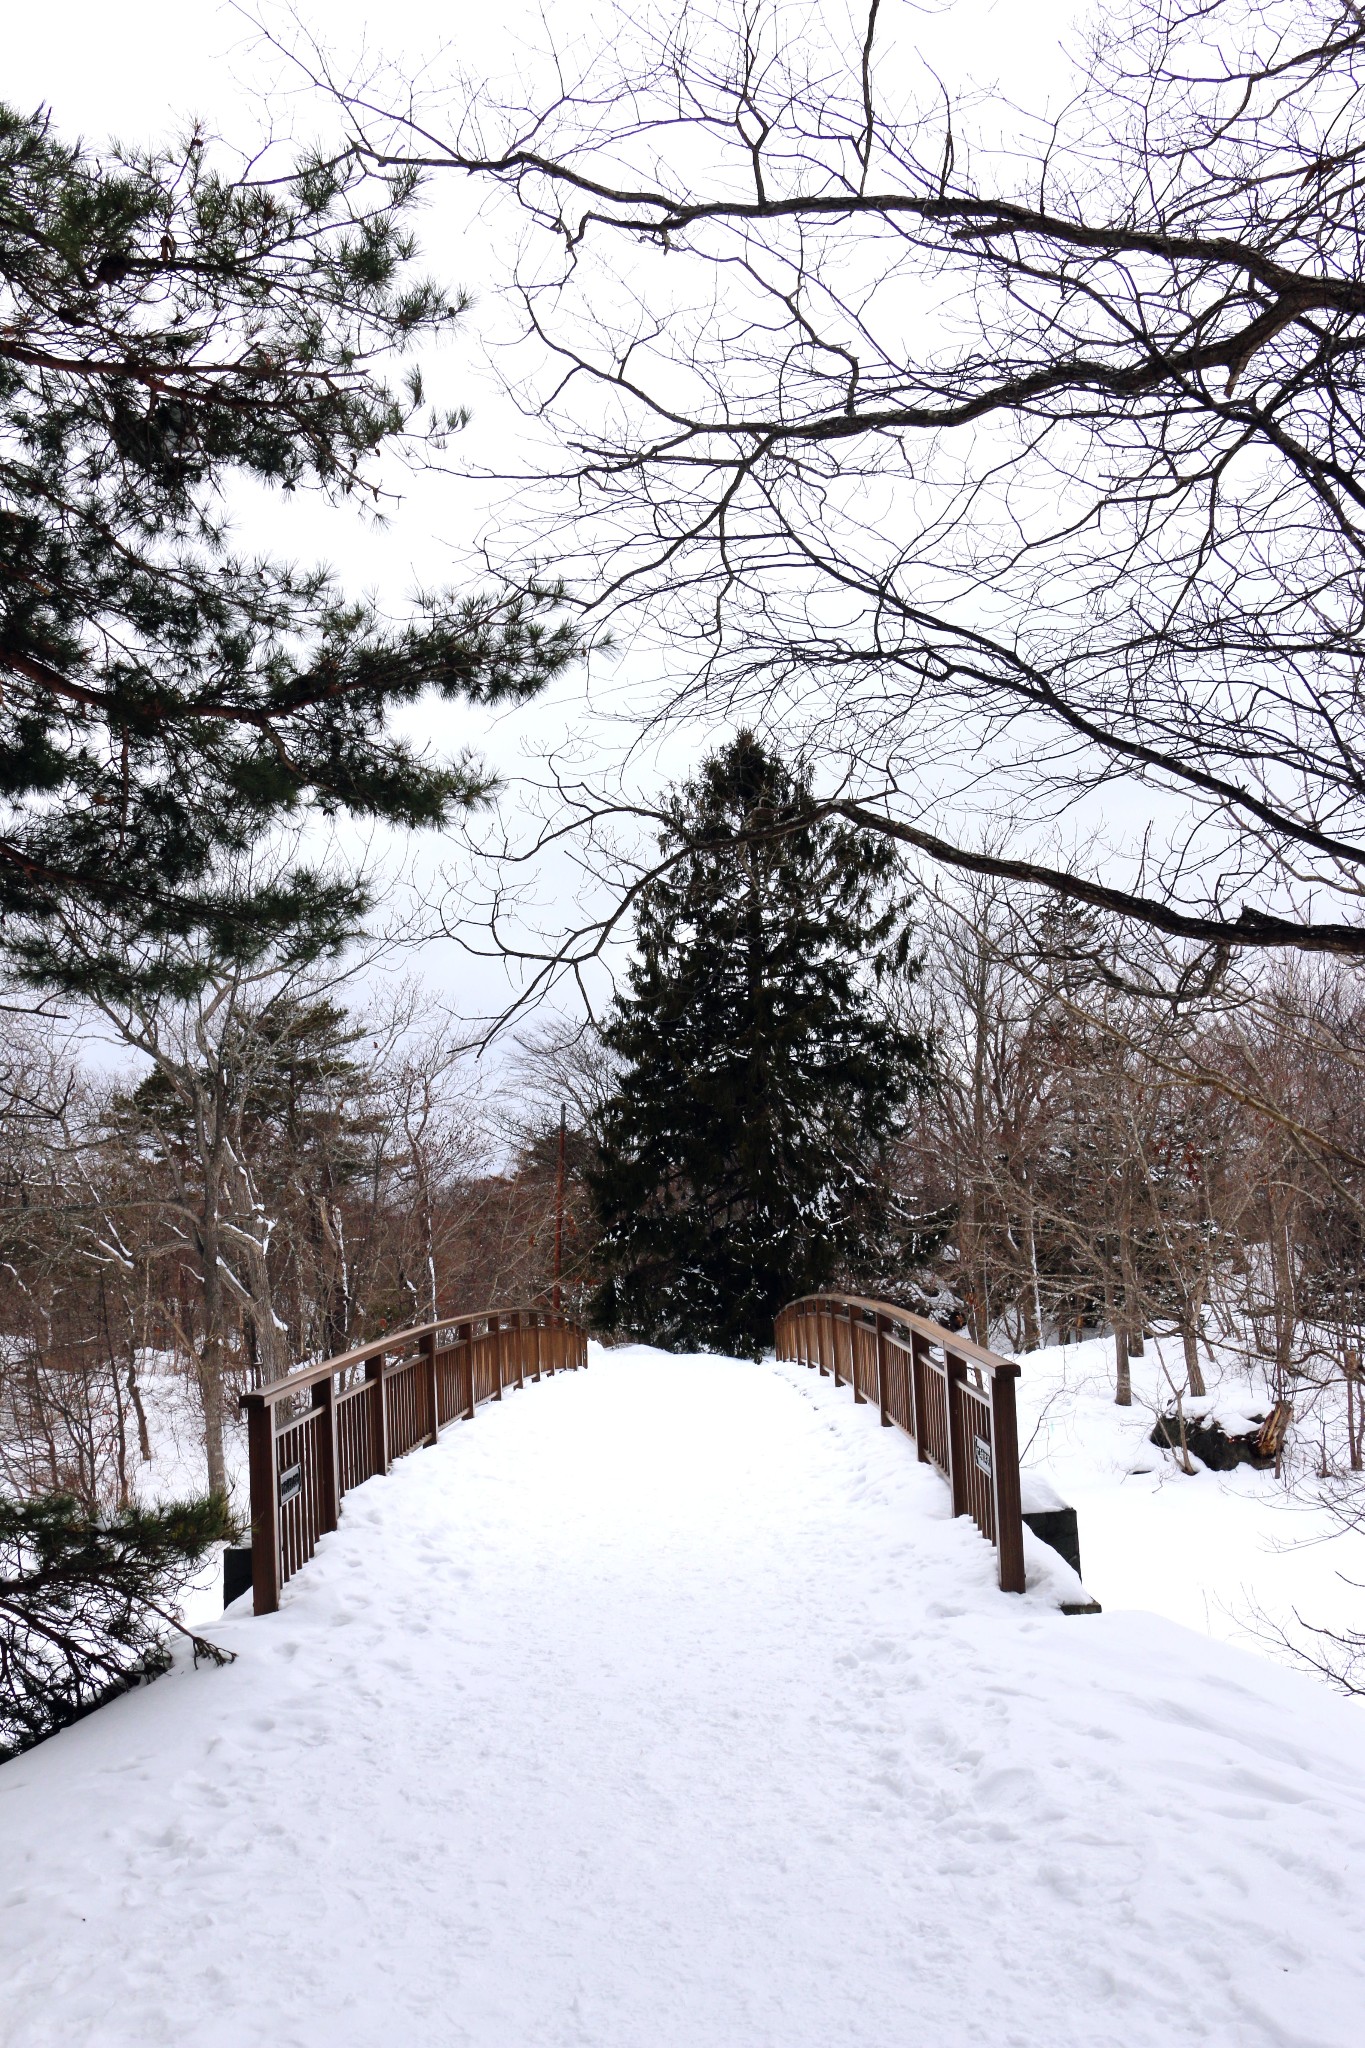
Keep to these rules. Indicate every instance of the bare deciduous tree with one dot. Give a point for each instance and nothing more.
(1014, 459)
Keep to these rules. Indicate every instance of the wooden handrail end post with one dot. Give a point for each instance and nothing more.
(265, 1505)
(1009, 1520)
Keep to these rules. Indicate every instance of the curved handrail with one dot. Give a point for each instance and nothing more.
(305, 1376)
(937, 1333)
(969, 1432)
(303, 1462)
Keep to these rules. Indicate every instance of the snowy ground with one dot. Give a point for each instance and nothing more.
(665, 1707)
(1230, 1553)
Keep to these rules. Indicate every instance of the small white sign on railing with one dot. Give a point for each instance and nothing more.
(983, 1455)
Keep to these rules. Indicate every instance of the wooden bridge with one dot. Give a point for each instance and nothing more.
(324, 1429)
(318, 1432)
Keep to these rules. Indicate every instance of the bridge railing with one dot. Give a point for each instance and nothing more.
(954, 1397)
(318, 1432)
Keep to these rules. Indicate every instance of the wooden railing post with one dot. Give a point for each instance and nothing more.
(531, 1350)
(374, 1372)
(956, 1372)
(329, 1470)
(833, 1344)
(497, 1357)
(466, 1331)
(265, 1505)
(918, 1346)
(879, 1338)
(853, 1328)
(433, 1381)
(1009, 1521)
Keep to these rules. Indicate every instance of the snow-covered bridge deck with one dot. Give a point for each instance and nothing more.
(667, 1708)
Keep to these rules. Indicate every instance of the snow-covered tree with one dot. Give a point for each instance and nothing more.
(761, 1079)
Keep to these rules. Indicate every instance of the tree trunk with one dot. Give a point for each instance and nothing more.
(272, 1352)
(1194, 1378)
(210, 1363)
(121, 1417)
(1128, 1270)
(1033, 1306)
(144, 1440)
(1123, 1382)
(211, 1400)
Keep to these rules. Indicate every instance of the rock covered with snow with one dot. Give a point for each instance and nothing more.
(1223, 1430)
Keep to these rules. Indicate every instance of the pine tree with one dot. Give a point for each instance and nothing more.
(168, 332)
(83, 1603)
(741, 1157)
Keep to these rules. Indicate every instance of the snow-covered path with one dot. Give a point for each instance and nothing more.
(665, 1707)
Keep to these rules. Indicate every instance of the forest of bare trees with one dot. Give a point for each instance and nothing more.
(1096, 1161)
(286, 1170)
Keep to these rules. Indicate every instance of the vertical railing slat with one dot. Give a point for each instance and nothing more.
(879, 1327)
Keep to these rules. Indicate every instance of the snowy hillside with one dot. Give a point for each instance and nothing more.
(1234, 1554)
(666, 1704)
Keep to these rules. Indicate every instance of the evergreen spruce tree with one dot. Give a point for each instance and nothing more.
(741, 1158)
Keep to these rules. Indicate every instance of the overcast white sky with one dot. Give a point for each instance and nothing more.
(143, 69)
